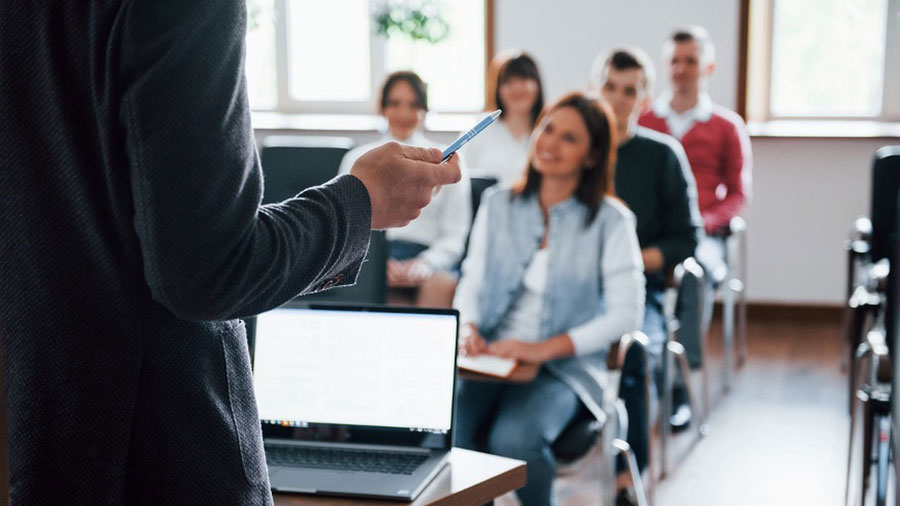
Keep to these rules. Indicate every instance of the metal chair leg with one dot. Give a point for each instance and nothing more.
(742, 300)
(728, 297)
(665, 409)
(861, 358)
(624, 449)
(677, 350)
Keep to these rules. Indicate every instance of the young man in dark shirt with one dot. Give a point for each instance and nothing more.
(654, 178)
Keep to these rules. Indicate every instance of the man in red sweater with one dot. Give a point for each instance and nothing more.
(714, 138)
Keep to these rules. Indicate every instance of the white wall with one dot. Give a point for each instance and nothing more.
(566, 35)
(806, 192)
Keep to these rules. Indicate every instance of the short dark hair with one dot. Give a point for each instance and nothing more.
(596, 179)
(415, 82)
(696, 34)
(507, 65)
(623, 58)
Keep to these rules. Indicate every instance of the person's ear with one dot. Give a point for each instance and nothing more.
(709, 68)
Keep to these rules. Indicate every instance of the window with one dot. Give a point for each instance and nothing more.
(824, 59)
(327, 57)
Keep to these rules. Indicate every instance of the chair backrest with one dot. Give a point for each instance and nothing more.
(479, 185)
(627, 358)
(371, 285)
(885, 243)
(291, 164)
(688, 278)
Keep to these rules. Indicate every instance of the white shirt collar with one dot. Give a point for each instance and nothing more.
(700, 112)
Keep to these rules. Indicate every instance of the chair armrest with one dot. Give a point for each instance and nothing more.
(737, 226)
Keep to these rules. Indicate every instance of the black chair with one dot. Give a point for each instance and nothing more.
(627, 364)
(291, 164)
(871, 321)
(870, 408)
(859, 302)
(479, 185)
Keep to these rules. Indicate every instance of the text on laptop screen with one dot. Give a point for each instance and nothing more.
(355, 368)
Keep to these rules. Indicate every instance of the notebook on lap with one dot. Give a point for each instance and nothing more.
(355, 401)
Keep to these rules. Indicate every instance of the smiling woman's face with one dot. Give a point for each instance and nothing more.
(561, 144)
(518, 94)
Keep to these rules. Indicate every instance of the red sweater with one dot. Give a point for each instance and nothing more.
(719, 152)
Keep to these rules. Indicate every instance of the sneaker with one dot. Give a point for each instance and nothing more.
(681, 417)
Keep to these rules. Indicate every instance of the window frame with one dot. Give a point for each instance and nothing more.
(289, 105)
(755, 71)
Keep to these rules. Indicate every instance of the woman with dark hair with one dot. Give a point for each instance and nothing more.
(433, 243)
(514, 86)
(553, 277)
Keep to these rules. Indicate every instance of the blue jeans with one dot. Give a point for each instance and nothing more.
(519, 421)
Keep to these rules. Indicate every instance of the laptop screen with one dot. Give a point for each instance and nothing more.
(389, 369)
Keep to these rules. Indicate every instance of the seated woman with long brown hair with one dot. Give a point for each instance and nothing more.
(553, 277)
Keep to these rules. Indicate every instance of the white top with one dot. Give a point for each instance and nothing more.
(680, 123)
(523, 321)
(443, 224)
(496, 153)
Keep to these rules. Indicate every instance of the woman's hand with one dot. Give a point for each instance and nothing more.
(534, 352)
(470, 341)
(523, 351)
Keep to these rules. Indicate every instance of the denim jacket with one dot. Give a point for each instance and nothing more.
(595, 282)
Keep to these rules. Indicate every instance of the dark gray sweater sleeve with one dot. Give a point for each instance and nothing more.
(682, 225)
(210, 251)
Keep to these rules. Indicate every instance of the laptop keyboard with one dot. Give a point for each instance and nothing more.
(348, 460)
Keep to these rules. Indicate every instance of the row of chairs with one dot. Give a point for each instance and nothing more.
(869, 372)
(871, 333)
(319, 158)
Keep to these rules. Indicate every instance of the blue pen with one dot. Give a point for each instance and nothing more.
(466, 137)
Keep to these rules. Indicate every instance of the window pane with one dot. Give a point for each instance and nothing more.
(828, 57)
(260, 63)
(453, 68)
(328, 50)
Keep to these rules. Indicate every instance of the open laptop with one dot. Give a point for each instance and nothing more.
(355, 401)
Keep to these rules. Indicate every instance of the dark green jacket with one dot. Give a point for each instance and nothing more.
(654, 179)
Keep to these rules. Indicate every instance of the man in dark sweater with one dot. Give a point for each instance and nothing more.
(653, 177)
(131, 240)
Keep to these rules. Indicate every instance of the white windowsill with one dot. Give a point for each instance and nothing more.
(434, 122)
(833, 129)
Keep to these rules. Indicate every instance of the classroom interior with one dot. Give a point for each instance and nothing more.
(770, 380)
(774, 392)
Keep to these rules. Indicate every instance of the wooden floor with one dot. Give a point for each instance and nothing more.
(778, 438)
